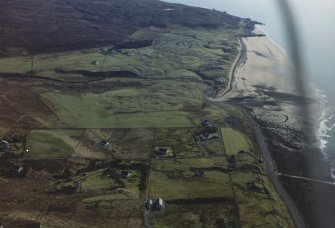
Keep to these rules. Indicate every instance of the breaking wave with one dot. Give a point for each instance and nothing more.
(325, 125)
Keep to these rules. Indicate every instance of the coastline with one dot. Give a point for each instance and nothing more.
(258, 85)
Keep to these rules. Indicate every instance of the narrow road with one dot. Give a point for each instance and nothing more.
(240, 58)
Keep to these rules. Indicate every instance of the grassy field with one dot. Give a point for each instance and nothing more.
(175, 181)
(55, 143)
(235, 141)
(99, 186)
(197, 215)
(173, 55)
(270, 210)
(159, 105)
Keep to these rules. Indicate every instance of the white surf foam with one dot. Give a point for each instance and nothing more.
(326, 122)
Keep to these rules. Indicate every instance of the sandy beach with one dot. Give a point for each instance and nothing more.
(261, 82)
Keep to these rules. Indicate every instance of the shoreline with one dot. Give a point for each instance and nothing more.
(252, 81)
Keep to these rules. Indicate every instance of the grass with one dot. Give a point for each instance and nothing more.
(196, 215)
(175, 181)
(52, 143)
(97, 182)
(46, 220)
(159, 105)
(174, 54)
(212, 147)
(235, 141)
(106, 197)
(213, 184)
(184, 165)
(181, 140)
(270, 210)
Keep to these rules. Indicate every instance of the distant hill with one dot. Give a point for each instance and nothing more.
(37, 26)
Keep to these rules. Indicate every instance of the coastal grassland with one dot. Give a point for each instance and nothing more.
(213, 147)
(175, 180)
(270, 211)
(165, 104)
(178, 53)
(241, 145)
(235, 141)
(136, 103)
(213, 214)
(52, 143)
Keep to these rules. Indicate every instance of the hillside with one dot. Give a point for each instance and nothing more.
(39, 26)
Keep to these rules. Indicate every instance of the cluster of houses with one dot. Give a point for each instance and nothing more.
(132, 52)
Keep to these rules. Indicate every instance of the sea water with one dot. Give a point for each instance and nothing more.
(315, 22)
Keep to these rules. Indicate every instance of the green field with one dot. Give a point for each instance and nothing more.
(197, 215)
(55, 143)
(173, 55)
(270, 210)
(159, 105)
(235, 141)
(175, 181)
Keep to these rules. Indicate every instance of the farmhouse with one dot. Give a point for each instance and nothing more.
(125, 174)
(163, 151)
(158, 205)
(95, 62)
(209, 132)
(208, 136)
(4, 146)
(206, 123)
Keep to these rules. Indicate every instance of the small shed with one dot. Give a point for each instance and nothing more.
(199, 173)
(232, 160)
(104, 143)
(95, 62)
